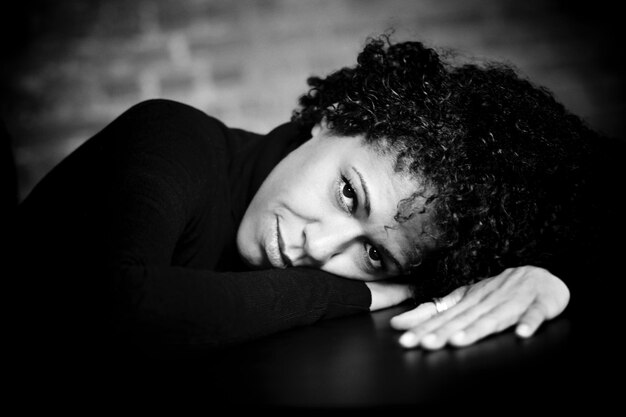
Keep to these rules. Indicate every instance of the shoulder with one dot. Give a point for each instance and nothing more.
(170, 116)
(168, 128)
(167, 107)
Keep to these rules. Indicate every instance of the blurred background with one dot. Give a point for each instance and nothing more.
(68, 67)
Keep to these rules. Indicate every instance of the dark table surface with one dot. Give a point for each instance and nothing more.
(356, 363)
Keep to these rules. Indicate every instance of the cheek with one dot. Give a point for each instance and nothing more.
(290, 174)
(346, 264)
(306, 192)
(343, 267)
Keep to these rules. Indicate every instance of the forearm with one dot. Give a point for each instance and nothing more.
(178, 305)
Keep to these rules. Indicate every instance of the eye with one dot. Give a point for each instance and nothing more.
(347, 195)
(373, 257)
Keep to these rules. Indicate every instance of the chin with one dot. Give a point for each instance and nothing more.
(246, 254)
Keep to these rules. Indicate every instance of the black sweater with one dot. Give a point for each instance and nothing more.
(131, 238)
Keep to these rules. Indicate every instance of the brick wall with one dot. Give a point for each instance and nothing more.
(71, 66)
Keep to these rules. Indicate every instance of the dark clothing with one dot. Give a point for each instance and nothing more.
(132, 238)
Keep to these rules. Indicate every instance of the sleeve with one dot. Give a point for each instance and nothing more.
(120, 208)
(175, 305)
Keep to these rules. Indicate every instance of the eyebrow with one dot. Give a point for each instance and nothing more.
(366, 203)
(368, 209)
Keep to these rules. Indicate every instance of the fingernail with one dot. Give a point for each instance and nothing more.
(458, 337)
(523, 330)
(408, 339)
(429, 339)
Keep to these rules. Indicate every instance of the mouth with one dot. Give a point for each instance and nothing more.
(275, 249)
(281, 244)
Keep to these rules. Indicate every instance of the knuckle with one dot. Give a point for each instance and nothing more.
(488, 323)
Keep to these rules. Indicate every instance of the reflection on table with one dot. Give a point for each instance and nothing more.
(356, 363)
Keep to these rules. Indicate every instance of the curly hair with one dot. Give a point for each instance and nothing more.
(503, 156)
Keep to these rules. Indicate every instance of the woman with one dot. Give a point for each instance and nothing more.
(403, 177)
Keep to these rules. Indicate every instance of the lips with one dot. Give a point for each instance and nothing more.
(281, 244)
(275, 247)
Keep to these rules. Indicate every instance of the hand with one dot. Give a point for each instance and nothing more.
(523, 296)
(387, 294)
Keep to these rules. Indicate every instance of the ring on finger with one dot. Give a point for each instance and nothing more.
(440, 305)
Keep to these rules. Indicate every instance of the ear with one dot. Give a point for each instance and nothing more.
(316, 130)
(319, 128)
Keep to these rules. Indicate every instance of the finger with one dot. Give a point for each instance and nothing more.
(426, 310)
(453, 298)
(414, 317)
(530, 321)
(434, 333)
(428, 320)
(421, 314)
(493, 321)
(473, 322)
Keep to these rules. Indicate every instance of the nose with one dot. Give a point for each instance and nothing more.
(325, 239)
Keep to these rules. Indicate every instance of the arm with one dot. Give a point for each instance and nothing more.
(182, 305)
(385, 294)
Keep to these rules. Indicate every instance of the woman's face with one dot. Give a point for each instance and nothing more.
(330, 204)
